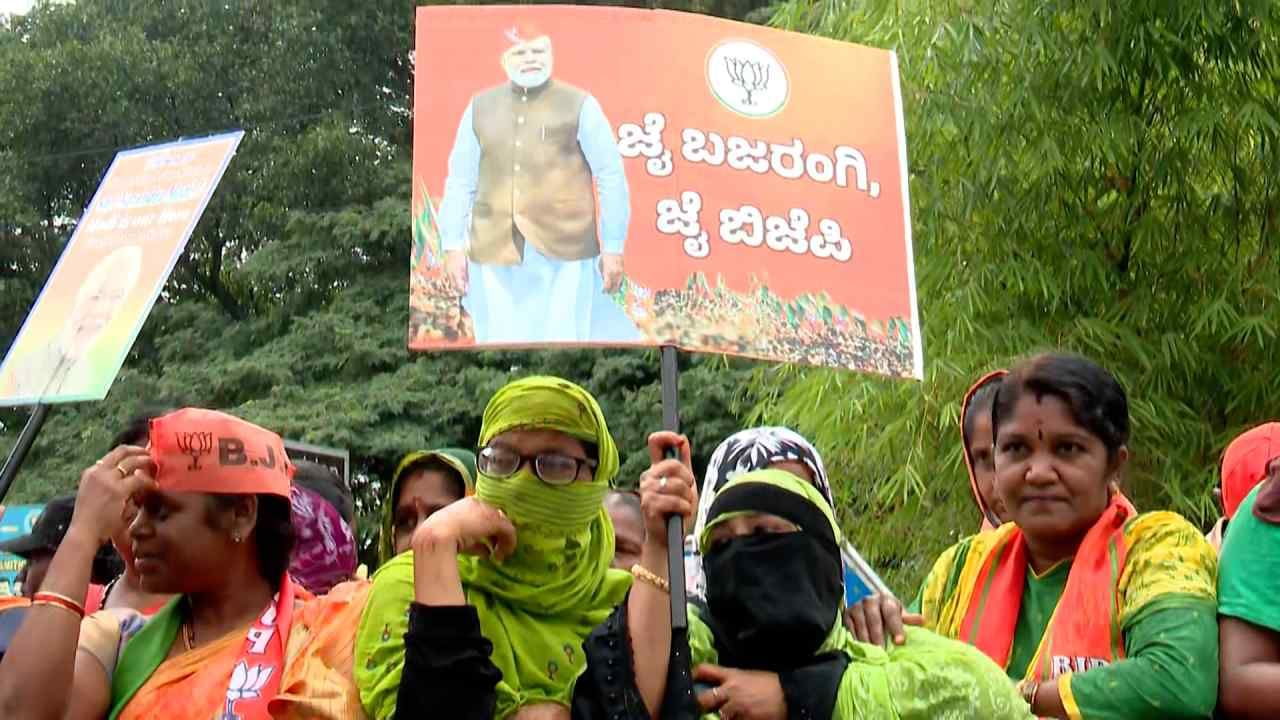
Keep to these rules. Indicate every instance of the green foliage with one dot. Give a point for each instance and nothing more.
(1096, 176)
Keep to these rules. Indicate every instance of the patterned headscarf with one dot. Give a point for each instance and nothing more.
(326, 551)
(744, 452)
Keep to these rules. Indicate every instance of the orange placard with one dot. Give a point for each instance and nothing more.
(607, 176)
(75, 338)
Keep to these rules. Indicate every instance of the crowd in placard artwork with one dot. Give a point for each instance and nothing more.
(809, 329)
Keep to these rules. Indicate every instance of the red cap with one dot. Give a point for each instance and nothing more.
(1244, 464)
(523, 32)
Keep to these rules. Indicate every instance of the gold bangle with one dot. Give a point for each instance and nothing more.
(1028, 689)
(641, 572)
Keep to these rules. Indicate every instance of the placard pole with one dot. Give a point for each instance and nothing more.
(20, 449)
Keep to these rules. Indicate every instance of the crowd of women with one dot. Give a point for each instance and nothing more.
(513, 583)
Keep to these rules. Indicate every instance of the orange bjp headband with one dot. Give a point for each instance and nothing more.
(206, 451)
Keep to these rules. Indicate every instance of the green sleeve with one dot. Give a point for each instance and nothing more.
(941, 582)
(1249, 571)
(928, 677)
(914, 607)
(1170, 668)
(702, 644)
(379, 647)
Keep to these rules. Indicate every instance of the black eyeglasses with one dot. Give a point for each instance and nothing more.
(552, 468)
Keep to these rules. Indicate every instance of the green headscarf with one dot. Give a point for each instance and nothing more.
(539, 604)
(462, 461)
(928, 677)
(777, 478)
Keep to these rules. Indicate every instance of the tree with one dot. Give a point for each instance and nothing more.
(1098, 177)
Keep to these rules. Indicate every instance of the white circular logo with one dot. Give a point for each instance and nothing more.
(747, 78)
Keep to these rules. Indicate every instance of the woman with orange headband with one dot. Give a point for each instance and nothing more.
(213, 527)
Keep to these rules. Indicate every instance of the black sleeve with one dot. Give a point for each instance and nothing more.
(607, 688)
(811, 690)
(447, 670)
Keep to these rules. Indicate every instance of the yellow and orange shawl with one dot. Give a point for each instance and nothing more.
(987, 514)
(317, 682)
(974, 592)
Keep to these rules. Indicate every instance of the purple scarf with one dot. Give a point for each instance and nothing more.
(325, 554)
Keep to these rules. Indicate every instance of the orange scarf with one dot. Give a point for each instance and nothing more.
(253, 685)
(987, 515)
(255, 670)
(189, 685)
(1077, 638)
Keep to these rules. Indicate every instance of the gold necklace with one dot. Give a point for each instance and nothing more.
(189, 628)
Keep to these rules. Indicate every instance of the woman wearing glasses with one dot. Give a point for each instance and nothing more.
(503, 588)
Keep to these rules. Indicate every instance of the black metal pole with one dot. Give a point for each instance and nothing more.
(20, 449)
(680, 702)
(675, 524)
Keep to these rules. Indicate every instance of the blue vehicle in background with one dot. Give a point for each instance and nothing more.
(15, 521)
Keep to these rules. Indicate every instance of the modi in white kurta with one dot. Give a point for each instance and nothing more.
(531, 156)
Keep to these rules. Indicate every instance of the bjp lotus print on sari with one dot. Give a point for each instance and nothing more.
(620, 177)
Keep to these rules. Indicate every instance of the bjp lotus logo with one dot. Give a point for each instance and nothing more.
(751, 76)
(246, 683)
(747, 78)
(195, 444)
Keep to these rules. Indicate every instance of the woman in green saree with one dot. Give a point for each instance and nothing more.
(1098, 610)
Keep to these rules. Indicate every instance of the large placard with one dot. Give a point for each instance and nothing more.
(610, 176)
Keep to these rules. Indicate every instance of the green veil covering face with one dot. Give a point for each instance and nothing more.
(463, 462)
(539, 604)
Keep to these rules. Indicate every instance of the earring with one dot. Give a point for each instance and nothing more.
(236, 538)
